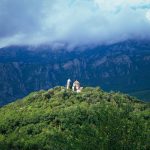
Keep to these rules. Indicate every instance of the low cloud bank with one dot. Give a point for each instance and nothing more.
(72, 22)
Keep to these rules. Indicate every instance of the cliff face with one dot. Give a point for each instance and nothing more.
(124, 66)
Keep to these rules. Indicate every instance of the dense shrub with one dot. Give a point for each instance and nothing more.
(59, 119)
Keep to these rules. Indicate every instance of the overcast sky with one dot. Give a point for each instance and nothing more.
(75, 22)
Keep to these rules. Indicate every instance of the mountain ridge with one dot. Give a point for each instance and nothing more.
(121, 67)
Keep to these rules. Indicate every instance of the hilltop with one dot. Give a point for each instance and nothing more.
(59, 119)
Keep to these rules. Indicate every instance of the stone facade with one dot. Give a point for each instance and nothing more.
(75, 87)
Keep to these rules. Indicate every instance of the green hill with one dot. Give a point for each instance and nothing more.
(58, 119)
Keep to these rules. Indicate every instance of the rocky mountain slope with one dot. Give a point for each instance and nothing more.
(66, 120)
(121, 67)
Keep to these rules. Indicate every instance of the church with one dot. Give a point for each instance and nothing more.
(75, 87)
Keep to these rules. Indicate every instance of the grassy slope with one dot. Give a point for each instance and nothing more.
(62, 120)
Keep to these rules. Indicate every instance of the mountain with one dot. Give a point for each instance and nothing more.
(62, 119)
(121, 67)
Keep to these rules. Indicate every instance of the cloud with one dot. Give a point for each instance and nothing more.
(72, 22)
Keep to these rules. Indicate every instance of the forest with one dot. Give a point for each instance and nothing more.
(59, 119)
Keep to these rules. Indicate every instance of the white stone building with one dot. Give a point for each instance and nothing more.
(76, 86)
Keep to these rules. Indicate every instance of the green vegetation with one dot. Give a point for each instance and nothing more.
(58, 119)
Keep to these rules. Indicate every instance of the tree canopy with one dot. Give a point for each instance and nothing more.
(59, 119)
